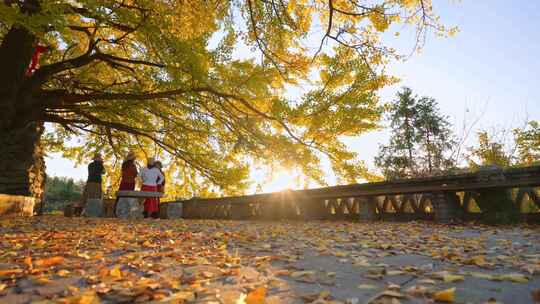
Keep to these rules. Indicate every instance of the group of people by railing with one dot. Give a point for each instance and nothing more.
(151, 177)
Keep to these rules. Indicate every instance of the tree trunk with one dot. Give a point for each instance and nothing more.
(22, 165)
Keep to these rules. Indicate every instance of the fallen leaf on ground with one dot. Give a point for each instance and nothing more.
(298, 274)
(417, 291)
(116, 273)
(48, 262)
(535, 294)
(367, 286)
(257, 296)
(446, 295)
(7, 272)
(481, 275)
(450, 278)
(514, 277)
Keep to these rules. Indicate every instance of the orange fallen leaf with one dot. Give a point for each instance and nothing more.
(48, 262)
(6, 272)
(535, 294)
(446, 295)
(257, 296)
(28, 261)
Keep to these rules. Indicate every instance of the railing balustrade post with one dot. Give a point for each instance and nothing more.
(368, 208)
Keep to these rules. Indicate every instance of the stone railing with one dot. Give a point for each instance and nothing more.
(16, 205)
(442, 198)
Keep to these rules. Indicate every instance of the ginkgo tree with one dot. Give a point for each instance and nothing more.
(165, 75)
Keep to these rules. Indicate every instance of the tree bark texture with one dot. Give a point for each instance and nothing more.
(22, 167)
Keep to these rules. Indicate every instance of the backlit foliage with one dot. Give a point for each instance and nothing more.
(173, 78)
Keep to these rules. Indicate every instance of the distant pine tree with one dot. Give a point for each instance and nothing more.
(421, 140)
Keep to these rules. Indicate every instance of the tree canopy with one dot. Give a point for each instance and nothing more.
(165, 77)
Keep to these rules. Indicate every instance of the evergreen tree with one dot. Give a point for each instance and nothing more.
(421, 139)
(434, 137)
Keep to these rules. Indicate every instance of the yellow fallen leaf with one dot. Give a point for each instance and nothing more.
(116, 273)
(515, 277)
(392, 294)
(273, 300)
(41, 281)
(478, 260)
(367, 286)
(298, 274)
(180, 297)
(446, 295)
(340, 254)
(450, 278)
(417, 290)
(88, 297)
(481, 275)
(257, 296)
(394, 272)
(232, 297)
(3, 286)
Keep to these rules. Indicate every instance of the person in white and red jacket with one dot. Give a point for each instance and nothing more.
(151, 177)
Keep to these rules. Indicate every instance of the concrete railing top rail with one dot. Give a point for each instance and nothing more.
(487, 177)
(127, 193)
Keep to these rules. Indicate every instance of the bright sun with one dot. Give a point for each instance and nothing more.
(282, 180)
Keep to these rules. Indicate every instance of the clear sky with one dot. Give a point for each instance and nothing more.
(490, 69)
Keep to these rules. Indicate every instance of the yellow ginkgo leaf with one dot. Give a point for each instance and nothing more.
(116, 273)
(515, 277)
(298, 274)
(450, 278)
(482, 275)
(366, 286)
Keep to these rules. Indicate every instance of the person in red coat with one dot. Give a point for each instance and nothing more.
(129, 174)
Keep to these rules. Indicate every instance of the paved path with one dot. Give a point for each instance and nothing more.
(75, 260)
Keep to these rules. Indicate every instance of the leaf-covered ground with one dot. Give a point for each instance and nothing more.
(79, 260)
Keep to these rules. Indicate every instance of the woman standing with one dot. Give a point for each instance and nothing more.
(129, 174)
(151, 177)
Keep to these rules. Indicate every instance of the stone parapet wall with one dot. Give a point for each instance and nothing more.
(16, 205)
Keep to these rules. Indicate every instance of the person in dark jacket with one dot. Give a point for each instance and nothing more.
(93, 183)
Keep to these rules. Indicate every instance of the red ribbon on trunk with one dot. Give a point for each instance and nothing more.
(35, 59)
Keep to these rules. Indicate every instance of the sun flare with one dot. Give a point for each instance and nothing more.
(282, 180)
